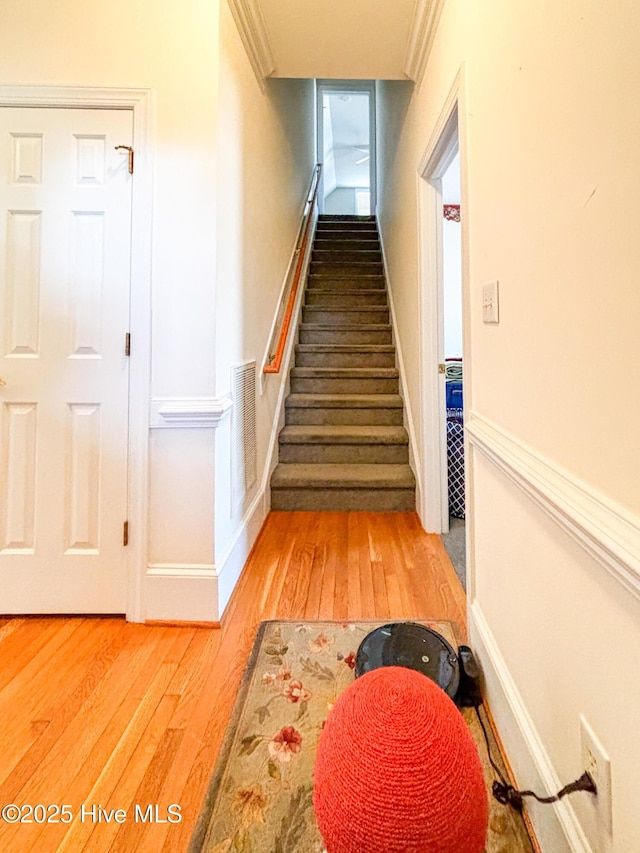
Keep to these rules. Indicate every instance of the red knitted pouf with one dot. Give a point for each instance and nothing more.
(397, 770)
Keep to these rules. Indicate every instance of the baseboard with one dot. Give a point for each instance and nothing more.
(175, 623)
(556, 826)
(414, 453)
(180, 593)
(229, 568)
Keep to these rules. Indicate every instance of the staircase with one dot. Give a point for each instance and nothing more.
(343, 446)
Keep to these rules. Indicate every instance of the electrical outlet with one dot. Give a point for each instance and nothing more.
(598, 765)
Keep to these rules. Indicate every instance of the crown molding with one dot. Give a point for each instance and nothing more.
(253, 32)
(421, 35)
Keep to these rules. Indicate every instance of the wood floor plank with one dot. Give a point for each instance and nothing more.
(122, 713)
(354, 591)
(330, 536)
(341, 588)
(298, 563)
(68, 770)
(380, 594)
(304, 565)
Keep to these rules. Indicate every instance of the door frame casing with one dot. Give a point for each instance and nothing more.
(348, 87)
(448, 137)
(141, 102)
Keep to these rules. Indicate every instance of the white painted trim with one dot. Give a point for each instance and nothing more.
(181, 570)
(421, 37)
(180, 592)
(433, 508)
(142, 102)
(189, 412)
(605, 530)
(409, 422)
(255, 38)
(556, 826)
(230, 566)
(447, 137)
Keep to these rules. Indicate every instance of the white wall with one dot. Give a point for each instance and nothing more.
(265, 160)
(231, 168)
(548, 123)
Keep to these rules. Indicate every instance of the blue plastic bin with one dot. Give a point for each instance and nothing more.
(454, 395)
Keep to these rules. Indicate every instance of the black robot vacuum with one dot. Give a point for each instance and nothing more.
(418, 647)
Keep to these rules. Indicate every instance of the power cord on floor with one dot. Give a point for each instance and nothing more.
(508, 795)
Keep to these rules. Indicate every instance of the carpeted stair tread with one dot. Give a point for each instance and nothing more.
(345, 327)
(343, 434)
(345, 298)
(338, 348)
(333, 282)
(299, 475)
(345, 401)
(372, 310)
(345, 372)
(335, 255)
(344, 446)
(346, 244)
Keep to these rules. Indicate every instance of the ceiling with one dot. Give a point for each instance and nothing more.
(338, 39)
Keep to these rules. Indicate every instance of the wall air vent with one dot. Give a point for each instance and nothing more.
(244, 460)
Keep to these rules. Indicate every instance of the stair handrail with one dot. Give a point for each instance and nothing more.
(274, 361)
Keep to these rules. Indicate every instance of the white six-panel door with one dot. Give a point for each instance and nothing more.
(65, 231)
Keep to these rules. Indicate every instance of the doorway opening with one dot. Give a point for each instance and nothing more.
(346, 146)
(445, 499)
(454, 536)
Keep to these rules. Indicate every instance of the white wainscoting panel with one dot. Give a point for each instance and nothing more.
(605, 530)
(556, 826)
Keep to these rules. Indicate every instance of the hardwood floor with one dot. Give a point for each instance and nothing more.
(109, 714)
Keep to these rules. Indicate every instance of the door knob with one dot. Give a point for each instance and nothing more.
(2, 382)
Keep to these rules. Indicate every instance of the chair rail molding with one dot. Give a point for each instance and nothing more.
(189, 412)
(603, 528)
(421, 35)
(253, 32)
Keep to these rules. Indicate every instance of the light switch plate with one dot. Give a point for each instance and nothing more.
(490, 307)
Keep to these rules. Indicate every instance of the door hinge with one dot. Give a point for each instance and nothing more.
(125, 534)
(442, 368)
(127, 343)
(129, 149)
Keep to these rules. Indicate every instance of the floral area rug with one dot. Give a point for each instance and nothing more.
(260, 795)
